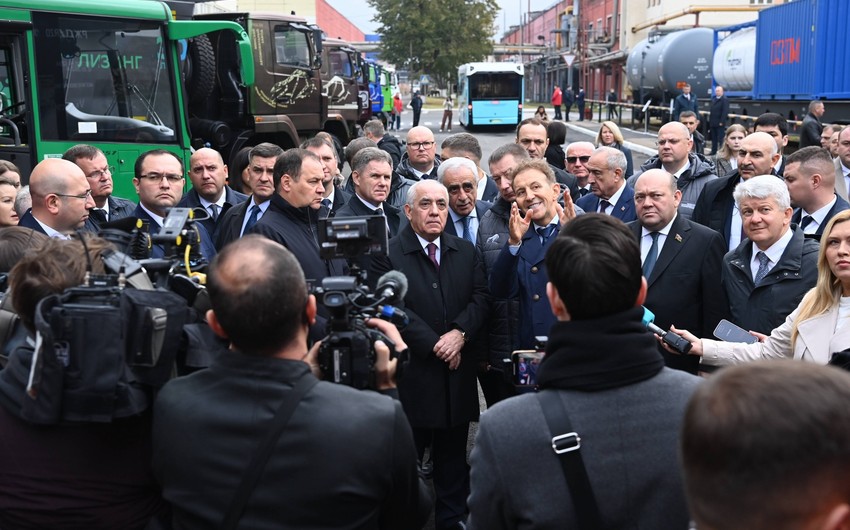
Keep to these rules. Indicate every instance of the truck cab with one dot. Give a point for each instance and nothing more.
(340, 72)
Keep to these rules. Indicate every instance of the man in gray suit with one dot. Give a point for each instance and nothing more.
(603, 366)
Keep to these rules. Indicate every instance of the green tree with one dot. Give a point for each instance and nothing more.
(434, 37)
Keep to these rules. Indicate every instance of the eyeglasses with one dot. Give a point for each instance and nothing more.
(421, 145)
(671, 141)
(83, 196)
(98, 174)
(574, 159)
(157, 177)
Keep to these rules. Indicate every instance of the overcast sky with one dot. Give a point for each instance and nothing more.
(360, 13)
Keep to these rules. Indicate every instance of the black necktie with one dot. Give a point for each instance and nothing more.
(214, 211)
(603, 205)
(98, 215)
(807, 220)
(583, 191)
(326, 203)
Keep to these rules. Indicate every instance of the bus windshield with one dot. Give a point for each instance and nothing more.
(496, 85)
(102, 79)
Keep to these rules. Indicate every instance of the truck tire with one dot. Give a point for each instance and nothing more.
(199, 69)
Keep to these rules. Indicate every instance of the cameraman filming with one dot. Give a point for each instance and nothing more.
(342, 459)
(72, 474)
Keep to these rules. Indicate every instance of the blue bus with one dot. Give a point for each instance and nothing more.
(490, 94)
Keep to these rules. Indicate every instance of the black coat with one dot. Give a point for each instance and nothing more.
(810, 131)
(230, 224)
(231, 199)
(718, 114)
(714, 206)
(393, 147)
(684, 286)
(28, 221)
(296, 229)
(433, 396)
(839, 206)
(481, 208)
(765, 307)
(395, 216)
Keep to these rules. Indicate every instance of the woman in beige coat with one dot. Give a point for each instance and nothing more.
(819, 327)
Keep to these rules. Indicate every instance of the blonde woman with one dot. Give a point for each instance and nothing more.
(726, 161)
(610, 136)
(819, 327)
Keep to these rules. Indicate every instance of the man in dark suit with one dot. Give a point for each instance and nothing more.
(293, 214)
(467, 146)
(458, 175)
(681, 263)
(210, 192)
(159, 183)
(245, 215)
(715, 207)
(684, 101)
(346, 457)
(812, 127)
(691, 121)
(776, 126)
(334, 196)
(96, 168)
(717, 118)
(519, 271)
(61, 198)
(448, 305)
(610, 193)
(371, 172)
(810, 177)
(531, 133)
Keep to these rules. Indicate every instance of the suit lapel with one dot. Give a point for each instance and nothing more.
(676, 240)
(816, 334)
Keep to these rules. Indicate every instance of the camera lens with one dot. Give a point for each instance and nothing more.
(334, 299)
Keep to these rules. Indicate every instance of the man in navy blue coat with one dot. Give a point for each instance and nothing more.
(611, 194)
(210, 192)
(519, 271)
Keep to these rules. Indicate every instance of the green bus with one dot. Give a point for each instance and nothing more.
(111, 74)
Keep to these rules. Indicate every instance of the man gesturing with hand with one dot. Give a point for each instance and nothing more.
(519, 270)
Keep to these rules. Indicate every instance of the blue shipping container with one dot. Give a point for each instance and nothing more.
(801, 52)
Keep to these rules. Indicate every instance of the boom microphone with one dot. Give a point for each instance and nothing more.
(392, 287)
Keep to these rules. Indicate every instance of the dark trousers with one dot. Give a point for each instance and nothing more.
(494, 386)
(557, 112)
(567, 107)
(451, 472)
(612, 112)
(717, 136)
(580, 112)
(416, 114)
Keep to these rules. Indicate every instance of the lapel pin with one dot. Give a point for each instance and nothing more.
(678, 238)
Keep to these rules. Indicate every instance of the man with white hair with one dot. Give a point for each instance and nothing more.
(766, 276)
(459, 176)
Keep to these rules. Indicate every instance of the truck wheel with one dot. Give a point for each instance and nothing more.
(199, 69)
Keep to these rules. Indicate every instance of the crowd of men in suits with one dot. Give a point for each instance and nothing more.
(473, 241)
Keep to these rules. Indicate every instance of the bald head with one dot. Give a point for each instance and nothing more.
(61, 196)
(657, 199)
(757, 155)
(674, 146)
(208, 173)
(259, 297)
(421, 148)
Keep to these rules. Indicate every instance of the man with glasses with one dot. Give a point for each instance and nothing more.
(210, 191)
(159, 183)
(242, 217)
(96, 168)
(61, 198)
(578, 154)
(467, 146)
(532, 135)
(675, 157)
(419, 162)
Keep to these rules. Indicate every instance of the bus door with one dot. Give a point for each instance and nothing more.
(15, 115)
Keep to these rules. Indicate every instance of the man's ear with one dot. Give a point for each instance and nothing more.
(215, 326)
(641, 297)
(555, 302)
(311, 310)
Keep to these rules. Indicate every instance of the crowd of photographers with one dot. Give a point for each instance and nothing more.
(167, 361)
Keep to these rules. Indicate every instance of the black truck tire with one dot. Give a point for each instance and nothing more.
(199, 69)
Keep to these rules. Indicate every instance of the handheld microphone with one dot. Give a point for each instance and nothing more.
(393, 315)
(392, 287)
(675, 342)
